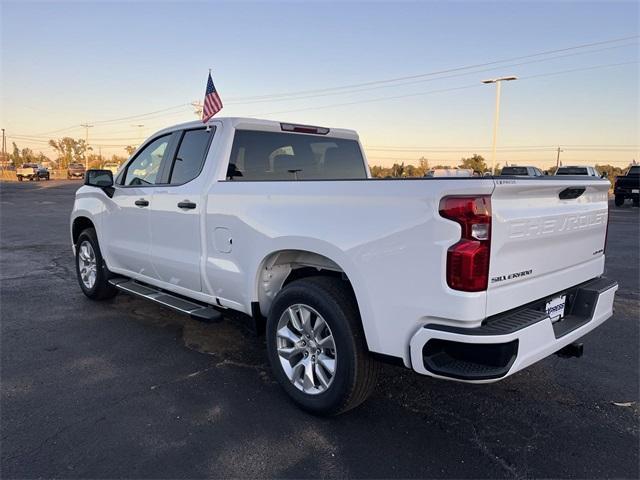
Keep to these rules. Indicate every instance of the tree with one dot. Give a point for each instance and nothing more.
(475, 163)
(130, 149)
(69, 150)
(611, 171)
(397, 170)
(25, 155)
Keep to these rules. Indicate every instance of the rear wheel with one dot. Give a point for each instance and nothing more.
(91, 271)
(316, 346)
(619, 200)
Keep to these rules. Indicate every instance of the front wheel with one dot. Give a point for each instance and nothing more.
(619, 200)
(91, 271)
(317, 348)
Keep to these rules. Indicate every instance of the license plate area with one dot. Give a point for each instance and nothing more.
(555, 308)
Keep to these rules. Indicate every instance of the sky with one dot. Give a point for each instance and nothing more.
(132, 68)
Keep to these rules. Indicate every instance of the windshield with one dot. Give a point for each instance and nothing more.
(634, 170)
(572, 171)
(29, 165)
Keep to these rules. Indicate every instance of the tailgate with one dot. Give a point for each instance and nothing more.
(548, 234)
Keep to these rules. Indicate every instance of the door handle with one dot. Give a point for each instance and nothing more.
(187, 205)
(142, 202)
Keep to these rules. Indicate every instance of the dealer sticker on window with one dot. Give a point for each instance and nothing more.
(555, 308)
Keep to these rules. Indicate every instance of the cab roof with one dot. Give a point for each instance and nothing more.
(247, 123)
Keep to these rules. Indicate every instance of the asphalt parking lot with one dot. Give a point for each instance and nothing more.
(128, 389)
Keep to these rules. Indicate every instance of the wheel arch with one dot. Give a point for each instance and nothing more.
(79, 224)
(280, 267)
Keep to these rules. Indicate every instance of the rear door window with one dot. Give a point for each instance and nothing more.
(260, 155)
(190, 157)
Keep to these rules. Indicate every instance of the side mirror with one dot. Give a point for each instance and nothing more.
(101, 179)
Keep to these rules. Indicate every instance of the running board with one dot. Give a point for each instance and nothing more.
(195, 310)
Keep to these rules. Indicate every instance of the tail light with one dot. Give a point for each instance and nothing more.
(468, 260)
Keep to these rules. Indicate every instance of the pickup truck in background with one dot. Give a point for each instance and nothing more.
(628, 186)
(32, 171)
(521, 171)
(75, 170)
(578, 170)
(469, 279)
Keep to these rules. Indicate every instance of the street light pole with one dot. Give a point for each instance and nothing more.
(558, 158)
(86, 144)
(498, 82)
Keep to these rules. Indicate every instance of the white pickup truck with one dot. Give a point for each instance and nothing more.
(468, 279)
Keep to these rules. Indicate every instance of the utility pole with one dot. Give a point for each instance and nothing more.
(498, 82)
(139, 127)
(4, 150)
(86, 143)
(198, 107)
(558, 158)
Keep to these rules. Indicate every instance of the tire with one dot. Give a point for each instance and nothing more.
(19, 179)
(355, 371)
(100, 289)
(619, 200)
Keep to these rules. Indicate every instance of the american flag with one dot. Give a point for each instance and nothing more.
(212, 102)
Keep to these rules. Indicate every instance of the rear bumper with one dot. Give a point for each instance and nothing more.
(509, 342)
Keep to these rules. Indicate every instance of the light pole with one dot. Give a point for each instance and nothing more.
(498, 82)
(86, 144)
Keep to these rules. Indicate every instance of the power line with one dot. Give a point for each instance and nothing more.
(449, 70)
(349, 92)
(474, 85)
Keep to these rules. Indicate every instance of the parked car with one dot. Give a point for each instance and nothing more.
(112, 167)
(578, 170)
(517, 171)
(449, 172)
(466, 279)
(75, 170)
(32, 171)
(628, 186)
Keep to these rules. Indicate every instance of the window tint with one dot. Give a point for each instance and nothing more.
(572, 171)
(515, 171)
(634, 171)
(143, 170)
(190, 157)
(291, 156)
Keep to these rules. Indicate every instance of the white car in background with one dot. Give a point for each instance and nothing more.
(450, 172)
(467, 279)
(113, 167)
